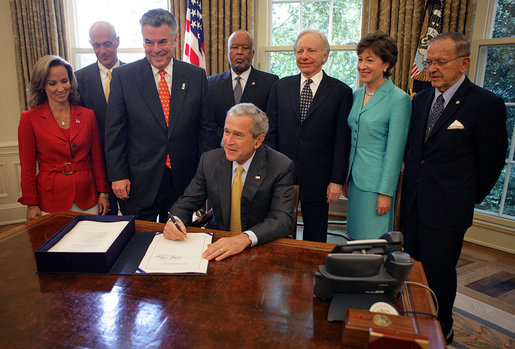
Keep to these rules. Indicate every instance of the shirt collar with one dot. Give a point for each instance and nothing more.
(317, 78)
(449, 93)
(168, 69)
(103, 69)
(245, 165)
(244, 76)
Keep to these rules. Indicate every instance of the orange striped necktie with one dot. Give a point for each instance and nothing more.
(164, 97)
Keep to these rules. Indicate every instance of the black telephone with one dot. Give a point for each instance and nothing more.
(375, 267)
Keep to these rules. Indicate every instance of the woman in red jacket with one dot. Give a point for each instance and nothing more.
(62, 139)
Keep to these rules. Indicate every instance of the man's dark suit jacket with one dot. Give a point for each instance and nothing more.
(92, 94)
(267, 199)
(454, 168)
(221, 94)
(320, 147)
(137, 138)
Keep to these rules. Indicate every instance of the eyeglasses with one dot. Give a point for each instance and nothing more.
(439, 62)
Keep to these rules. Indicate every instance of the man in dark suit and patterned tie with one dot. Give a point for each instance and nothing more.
(94, 80)
(308, 123)
(456, 149)
(241, 84)
(158, 123)
(249, 185)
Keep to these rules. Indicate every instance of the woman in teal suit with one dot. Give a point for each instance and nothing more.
(379, 121)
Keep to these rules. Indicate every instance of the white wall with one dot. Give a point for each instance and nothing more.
(10, 210)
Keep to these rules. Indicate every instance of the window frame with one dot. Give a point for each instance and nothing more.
(73, 50)
(480, 42)
(263, 38)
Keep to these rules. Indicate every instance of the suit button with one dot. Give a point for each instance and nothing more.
(422, 162)
(74, 145)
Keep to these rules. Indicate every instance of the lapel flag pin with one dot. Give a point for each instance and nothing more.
(77, 121)
(258, 177)
(183, 86)
(253, 82)
(457, 102)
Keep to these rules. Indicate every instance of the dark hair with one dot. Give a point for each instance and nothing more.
(461, 44)
(38, 79)
(382, 45)
(157, 17)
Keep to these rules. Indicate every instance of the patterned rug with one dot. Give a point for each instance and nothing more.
(471, 331)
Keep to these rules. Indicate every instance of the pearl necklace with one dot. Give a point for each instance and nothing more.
(368, 93)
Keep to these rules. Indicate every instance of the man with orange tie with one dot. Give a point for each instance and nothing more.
(94, 80)
(249, 185)
(158, 123)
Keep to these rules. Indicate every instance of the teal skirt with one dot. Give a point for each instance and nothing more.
(363, 222)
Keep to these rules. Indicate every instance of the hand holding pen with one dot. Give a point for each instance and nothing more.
(175, 229)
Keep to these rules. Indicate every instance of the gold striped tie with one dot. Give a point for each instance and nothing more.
(108, 85)
(237, 188)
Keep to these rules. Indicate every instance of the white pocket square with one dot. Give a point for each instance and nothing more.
(456, 125)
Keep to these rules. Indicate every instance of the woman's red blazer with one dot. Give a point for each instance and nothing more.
(68, 171)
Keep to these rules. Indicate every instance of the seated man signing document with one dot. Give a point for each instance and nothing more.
(249, 185)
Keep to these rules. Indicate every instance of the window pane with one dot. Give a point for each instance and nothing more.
(285, 24)
(509, 204)
(124, 15)
(283, 63)
(84, 59)
(128, 57)
(342, 65)
(504, 25)
(500, 72)
(346, 22)
(510, 124)
(500, 79)
(492, 202)
(315, 15)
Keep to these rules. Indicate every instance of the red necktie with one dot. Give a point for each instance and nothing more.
(164, 96)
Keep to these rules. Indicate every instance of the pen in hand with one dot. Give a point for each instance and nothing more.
(177, 226)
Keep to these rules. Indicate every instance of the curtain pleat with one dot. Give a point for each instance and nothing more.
(402, 20)
(221, 18)
(39, 30)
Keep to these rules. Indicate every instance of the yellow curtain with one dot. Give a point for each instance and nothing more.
(39, 29)
(402, 20)
(221, 18)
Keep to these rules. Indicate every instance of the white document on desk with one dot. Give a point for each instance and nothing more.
(165, 256)
(89, 236)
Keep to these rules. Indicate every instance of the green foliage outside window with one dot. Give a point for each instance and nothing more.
(500, 79)
(339, 20)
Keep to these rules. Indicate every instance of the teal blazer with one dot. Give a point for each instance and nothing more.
(378, 137)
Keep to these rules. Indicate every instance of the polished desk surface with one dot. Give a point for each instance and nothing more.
(261, 297)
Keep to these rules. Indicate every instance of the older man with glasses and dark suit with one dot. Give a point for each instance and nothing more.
(456, 149)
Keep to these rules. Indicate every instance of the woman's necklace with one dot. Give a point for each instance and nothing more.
(369, 93)
(63, 119)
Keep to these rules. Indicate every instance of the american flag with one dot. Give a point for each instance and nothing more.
(194, 51)
(431, 27)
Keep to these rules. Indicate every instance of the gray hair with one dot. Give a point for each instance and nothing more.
(157, 17)
(240, 30)
(38, 80)
(259, 124)
(323, 38)
(461, 44)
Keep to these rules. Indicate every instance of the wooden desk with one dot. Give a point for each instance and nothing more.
(260, 298)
